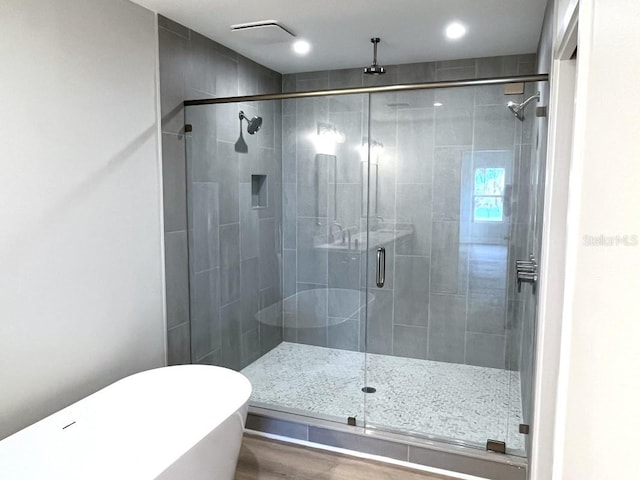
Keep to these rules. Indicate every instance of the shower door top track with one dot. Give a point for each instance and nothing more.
(386, 88)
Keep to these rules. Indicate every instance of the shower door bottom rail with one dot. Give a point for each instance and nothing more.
(406, 448)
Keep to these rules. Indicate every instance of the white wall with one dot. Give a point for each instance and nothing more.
(81, 297)
(599, 389)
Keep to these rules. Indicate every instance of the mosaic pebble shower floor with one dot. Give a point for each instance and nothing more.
(460, 402)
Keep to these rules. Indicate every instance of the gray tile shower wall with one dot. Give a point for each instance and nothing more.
(449, 294)
(222, 313)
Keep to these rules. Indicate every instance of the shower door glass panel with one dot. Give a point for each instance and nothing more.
(441, 198)
(324, 242)
(234, 199)
(278, 232)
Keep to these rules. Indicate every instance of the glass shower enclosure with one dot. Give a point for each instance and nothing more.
(352, 257)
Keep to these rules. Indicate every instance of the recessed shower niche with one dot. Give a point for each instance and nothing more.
(259, 191)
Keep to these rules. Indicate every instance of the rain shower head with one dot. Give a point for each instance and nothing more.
(518, 108)
(253, 125)
(375, 69)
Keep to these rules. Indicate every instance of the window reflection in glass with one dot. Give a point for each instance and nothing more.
(488, 194)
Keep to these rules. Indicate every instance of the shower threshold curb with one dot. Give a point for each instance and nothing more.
(429, 453)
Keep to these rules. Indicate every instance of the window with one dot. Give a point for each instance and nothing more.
(488, 194)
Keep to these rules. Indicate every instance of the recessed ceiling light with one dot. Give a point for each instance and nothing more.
(437, 104)
(301, 47)
(455, 30)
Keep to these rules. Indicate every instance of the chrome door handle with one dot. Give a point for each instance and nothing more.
(380, 268)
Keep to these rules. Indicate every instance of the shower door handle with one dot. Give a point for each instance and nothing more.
(381, 254)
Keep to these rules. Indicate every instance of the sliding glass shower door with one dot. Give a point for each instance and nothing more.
(278, 233)
(442, 356)
(353, 257)
(324, 243)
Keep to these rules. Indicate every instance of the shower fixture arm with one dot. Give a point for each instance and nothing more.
(375, 42)
(374, 68)
(530, 99)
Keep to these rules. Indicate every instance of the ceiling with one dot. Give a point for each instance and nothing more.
(339, 30)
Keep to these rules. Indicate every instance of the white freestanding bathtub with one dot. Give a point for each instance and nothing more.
(173, 423)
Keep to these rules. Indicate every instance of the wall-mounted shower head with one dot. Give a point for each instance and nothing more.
(518, 108)
(253, 125)
(375, 69)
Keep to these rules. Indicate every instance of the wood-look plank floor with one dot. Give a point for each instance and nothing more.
(265, 459)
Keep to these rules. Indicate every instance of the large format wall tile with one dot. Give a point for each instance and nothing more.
(312, 262)
(449, 264)
(205, 226)
(174, 188)
(249, 224)
(447, 170)
(487, 312)
(454, 117)
(270, 251)
(493, 130)
(225, 168)
(231, 335)
(343, 334)
(177, 278)
(415, 144)
(413, 207)
(485, 350)
(249, 294)
(447, 328)
(178, 345)
(416, 72)
(205, 313)
(410, 341)
(344, 270)
(380, 323)
(411, 291)
(174, 62)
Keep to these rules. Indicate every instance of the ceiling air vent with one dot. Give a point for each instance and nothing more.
(266, 31)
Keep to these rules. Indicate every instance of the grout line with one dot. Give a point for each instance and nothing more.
(484, 333)
(420, 184)
(411, 326)
(173, 134)
(182, 324)
(448, 294)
